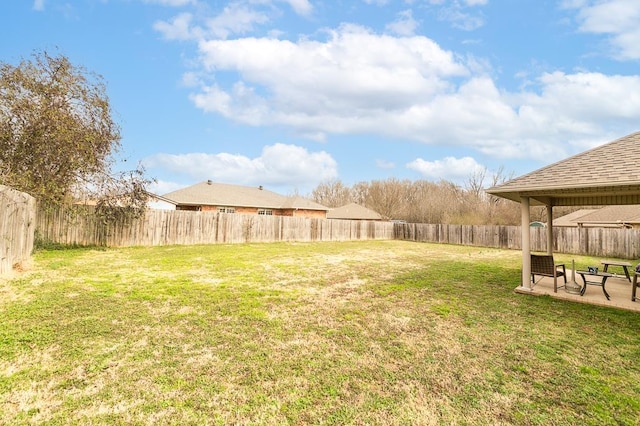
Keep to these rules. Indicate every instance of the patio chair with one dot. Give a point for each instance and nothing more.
(544, 265)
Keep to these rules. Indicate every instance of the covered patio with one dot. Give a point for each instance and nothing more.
(618, 287)
(606, 175)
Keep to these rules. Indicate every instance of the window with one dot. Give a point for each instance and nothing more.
(265, 212)
(226, 209)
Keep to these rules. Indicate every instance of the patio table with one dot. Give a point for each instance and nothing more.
(603, 279)
(624, 265)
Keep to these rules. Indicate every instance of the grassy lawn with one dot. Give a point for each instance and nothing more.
(385, 332)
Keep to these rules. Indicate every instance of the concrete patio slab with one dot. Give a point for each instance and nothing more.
(618, 287)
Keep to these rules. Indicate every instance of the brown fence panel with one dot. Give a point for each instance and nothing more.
(599, 242)
(165, 227)
(78, 225)
(17, 227)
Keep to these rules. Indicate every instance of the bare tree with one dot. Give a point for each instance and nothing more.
(331, 194)
(387, 197)
(360, 193)
(423, 201)
(475, 183)
(501, 211)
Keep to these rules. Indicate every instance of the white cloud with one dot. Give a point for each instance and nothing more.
(301, 7)
(355, 81)
(458, 3)
(577, 107)
(384, 164)
(278, 164)
(236, 18)
(460, 19)
(161, 187)
(359, 82)
(38, 5)
(404, 25)
(588, 96)
(172, 3)
(449, 168)
(190, 79)
(345, 84)
(617, 18)
(179, 28)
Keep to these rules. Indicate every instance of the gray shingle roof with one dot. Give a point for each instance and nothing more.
(613, 214)
(302, 204)
(573, 218)
(607, 174)
(353, 211)
(221, 194)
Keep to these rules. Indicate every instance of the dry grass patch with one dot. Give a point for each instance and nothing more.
(385, 333)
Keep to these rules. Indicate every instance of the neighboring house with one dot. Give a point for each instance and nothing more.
(226, 198)
(353, 211)
(627, 216)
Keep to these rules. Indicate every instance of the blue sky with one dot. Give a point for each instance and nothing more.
(289, 94)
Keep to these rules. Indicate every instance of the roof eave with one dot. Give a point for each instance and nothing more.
(496, 190)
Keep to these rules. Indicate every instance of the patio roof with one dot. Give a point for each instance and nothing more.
(605, 175)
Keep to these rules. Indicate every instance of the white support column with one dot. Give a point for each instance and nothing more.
(526, 244)
(549, 229)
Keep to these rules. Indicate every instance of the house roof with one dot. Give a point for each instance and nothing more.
(302, 204)
(157, 197)
(614, 215)
(222, 194)
(353, 211)
(572, 219)
(605, 175)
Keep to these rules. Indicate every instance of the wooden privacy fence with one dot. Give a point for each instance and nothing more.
(599, 242)
(17, 224)
(74, 226)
